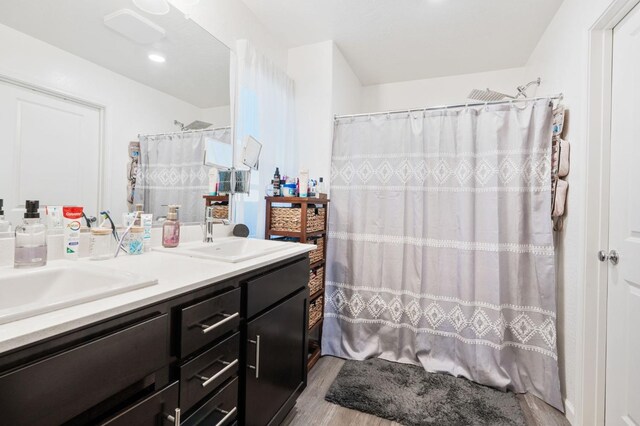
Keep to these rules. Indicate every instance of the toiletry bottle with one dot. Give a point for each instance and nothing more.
(171, 228)
(31, 239)
(5, 226)
(303, 183)
(321, 190)
(276, 183)
(138, 213)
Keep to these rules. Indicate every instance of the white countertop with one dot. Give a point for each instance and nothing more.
(176, 275)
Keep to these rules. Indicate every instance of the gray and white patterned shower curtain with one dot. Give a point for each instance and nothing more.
(171, 171)
(440, 244)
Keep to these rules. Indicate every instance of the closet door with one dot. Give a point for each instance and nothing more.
(49, 151)
(276, 359)
(623, 313)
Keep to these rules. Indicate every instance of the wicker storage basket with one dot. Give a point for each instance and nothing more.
(220, 211)
(315, 311)
(316, 280)
(288, 219)
(318, 254)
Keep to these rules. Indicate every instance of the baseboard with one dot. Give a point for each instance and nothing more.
(570, 412)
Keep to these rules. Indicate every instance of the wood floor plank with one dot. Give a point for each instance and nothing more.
(313, 410)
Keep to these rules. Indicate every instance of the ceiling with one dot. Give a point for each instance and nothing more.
(197, 64)
(398, 40)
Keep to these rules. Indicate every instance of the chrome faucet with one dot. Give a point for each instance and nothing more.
(209, 221)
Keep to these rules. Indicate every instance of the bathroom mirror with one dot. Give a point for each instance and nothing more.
(83, 81)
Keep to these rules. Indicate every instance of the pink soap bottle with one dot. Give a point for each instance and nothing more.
(171, 228)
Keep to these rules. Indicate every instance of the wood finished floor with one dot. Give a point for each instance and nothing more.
(313, 410)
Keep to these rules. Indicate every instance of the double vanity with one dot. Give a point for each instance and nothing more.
(210, 334)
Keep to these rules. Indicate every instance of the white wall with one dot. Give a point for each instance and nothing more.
(130, 107)
(218, 116)
(438, 91)
(561, 59)
(232, 20)
(325, 85)
(311, 68)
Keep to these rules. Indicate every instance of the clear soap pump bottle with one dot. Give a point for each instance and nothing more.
(171, 228)
(31, 239)
(5, 226)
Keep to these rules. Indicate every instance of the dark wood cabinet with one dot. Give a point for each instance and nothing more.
(276, 361)
(158, 409)
(190, 352)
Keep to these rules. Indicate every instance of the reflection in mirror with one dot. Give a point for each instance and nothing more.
(80, 80)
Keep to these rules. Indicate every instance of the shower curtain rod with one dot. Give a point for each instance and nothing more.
(434, 108)
(185, 131)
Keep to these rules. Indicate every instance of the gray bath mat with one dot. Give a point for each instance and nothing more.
(409, 395)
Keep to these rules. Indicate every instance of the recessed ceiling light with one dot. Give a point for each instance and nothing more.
(154, 7)
(157, 58)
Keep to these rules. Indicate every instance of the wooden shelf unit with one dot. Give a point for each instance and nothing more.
(212, 199)
(303, 237)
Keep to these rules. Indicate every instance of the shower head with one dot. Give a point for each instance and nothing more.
(487, 95)
(197, 125)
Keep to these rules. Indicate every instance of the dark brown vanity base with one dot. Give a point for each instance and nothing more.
(232, 352)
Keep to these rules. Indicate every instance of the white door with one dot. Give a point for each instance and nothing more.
(49, 151)
(623, 313)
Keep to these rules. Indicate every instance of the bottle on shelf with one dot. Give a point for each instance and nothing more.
(276, 183)
(31, 239)
(321, 189)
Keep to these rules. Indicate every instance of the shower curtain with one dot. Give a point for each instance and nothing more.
(172, 171)
(440, 244)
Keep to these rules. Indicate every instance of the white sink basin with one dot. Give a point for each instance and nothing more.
(27, 293)
(230, 250)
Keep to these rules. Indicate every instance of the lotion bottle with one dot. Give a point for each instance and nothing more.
(171, 228)
(31, 239)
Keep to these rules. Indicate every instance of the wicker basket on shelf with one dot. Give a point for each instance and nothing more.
(315, 311)
(220, 211)
(318, 254)
(316, 278)
(288, 219)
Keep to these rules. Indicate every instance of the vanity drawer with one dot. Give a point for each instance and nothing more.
(268, 289)
(56, 389)
(220, 410)
(205, 373)
(206, 321)
(151, 411)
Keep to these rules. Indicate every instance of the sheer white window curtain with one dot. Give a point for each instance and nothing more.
(264, 109)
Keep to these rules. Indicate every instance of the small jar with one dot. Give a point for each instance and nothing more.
(100, 244)
(135, 240)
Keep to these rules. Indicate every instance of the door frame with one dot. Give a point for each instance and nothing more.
(102, 155)
(592, 315)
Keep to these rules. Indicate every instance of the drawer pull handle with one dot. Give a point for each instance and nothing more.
(257, 366)
(207, 380)
(228, 415)
(175, 419)
(228, 317)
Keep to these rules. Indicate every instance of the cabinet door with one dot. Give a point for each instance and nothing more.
(152, 411)
(276, 361)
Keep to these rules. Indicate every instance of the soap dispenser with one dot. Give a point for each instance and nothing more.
(5, 226)
(171, 228)
(31, 239)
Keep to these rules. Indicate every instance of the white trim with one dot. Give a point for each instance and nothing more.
(411, 188)
(402, 155)
(452, 244)
(592, 312)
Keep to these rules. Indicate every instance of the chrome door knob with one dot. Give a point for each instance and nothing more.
(612, 257)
